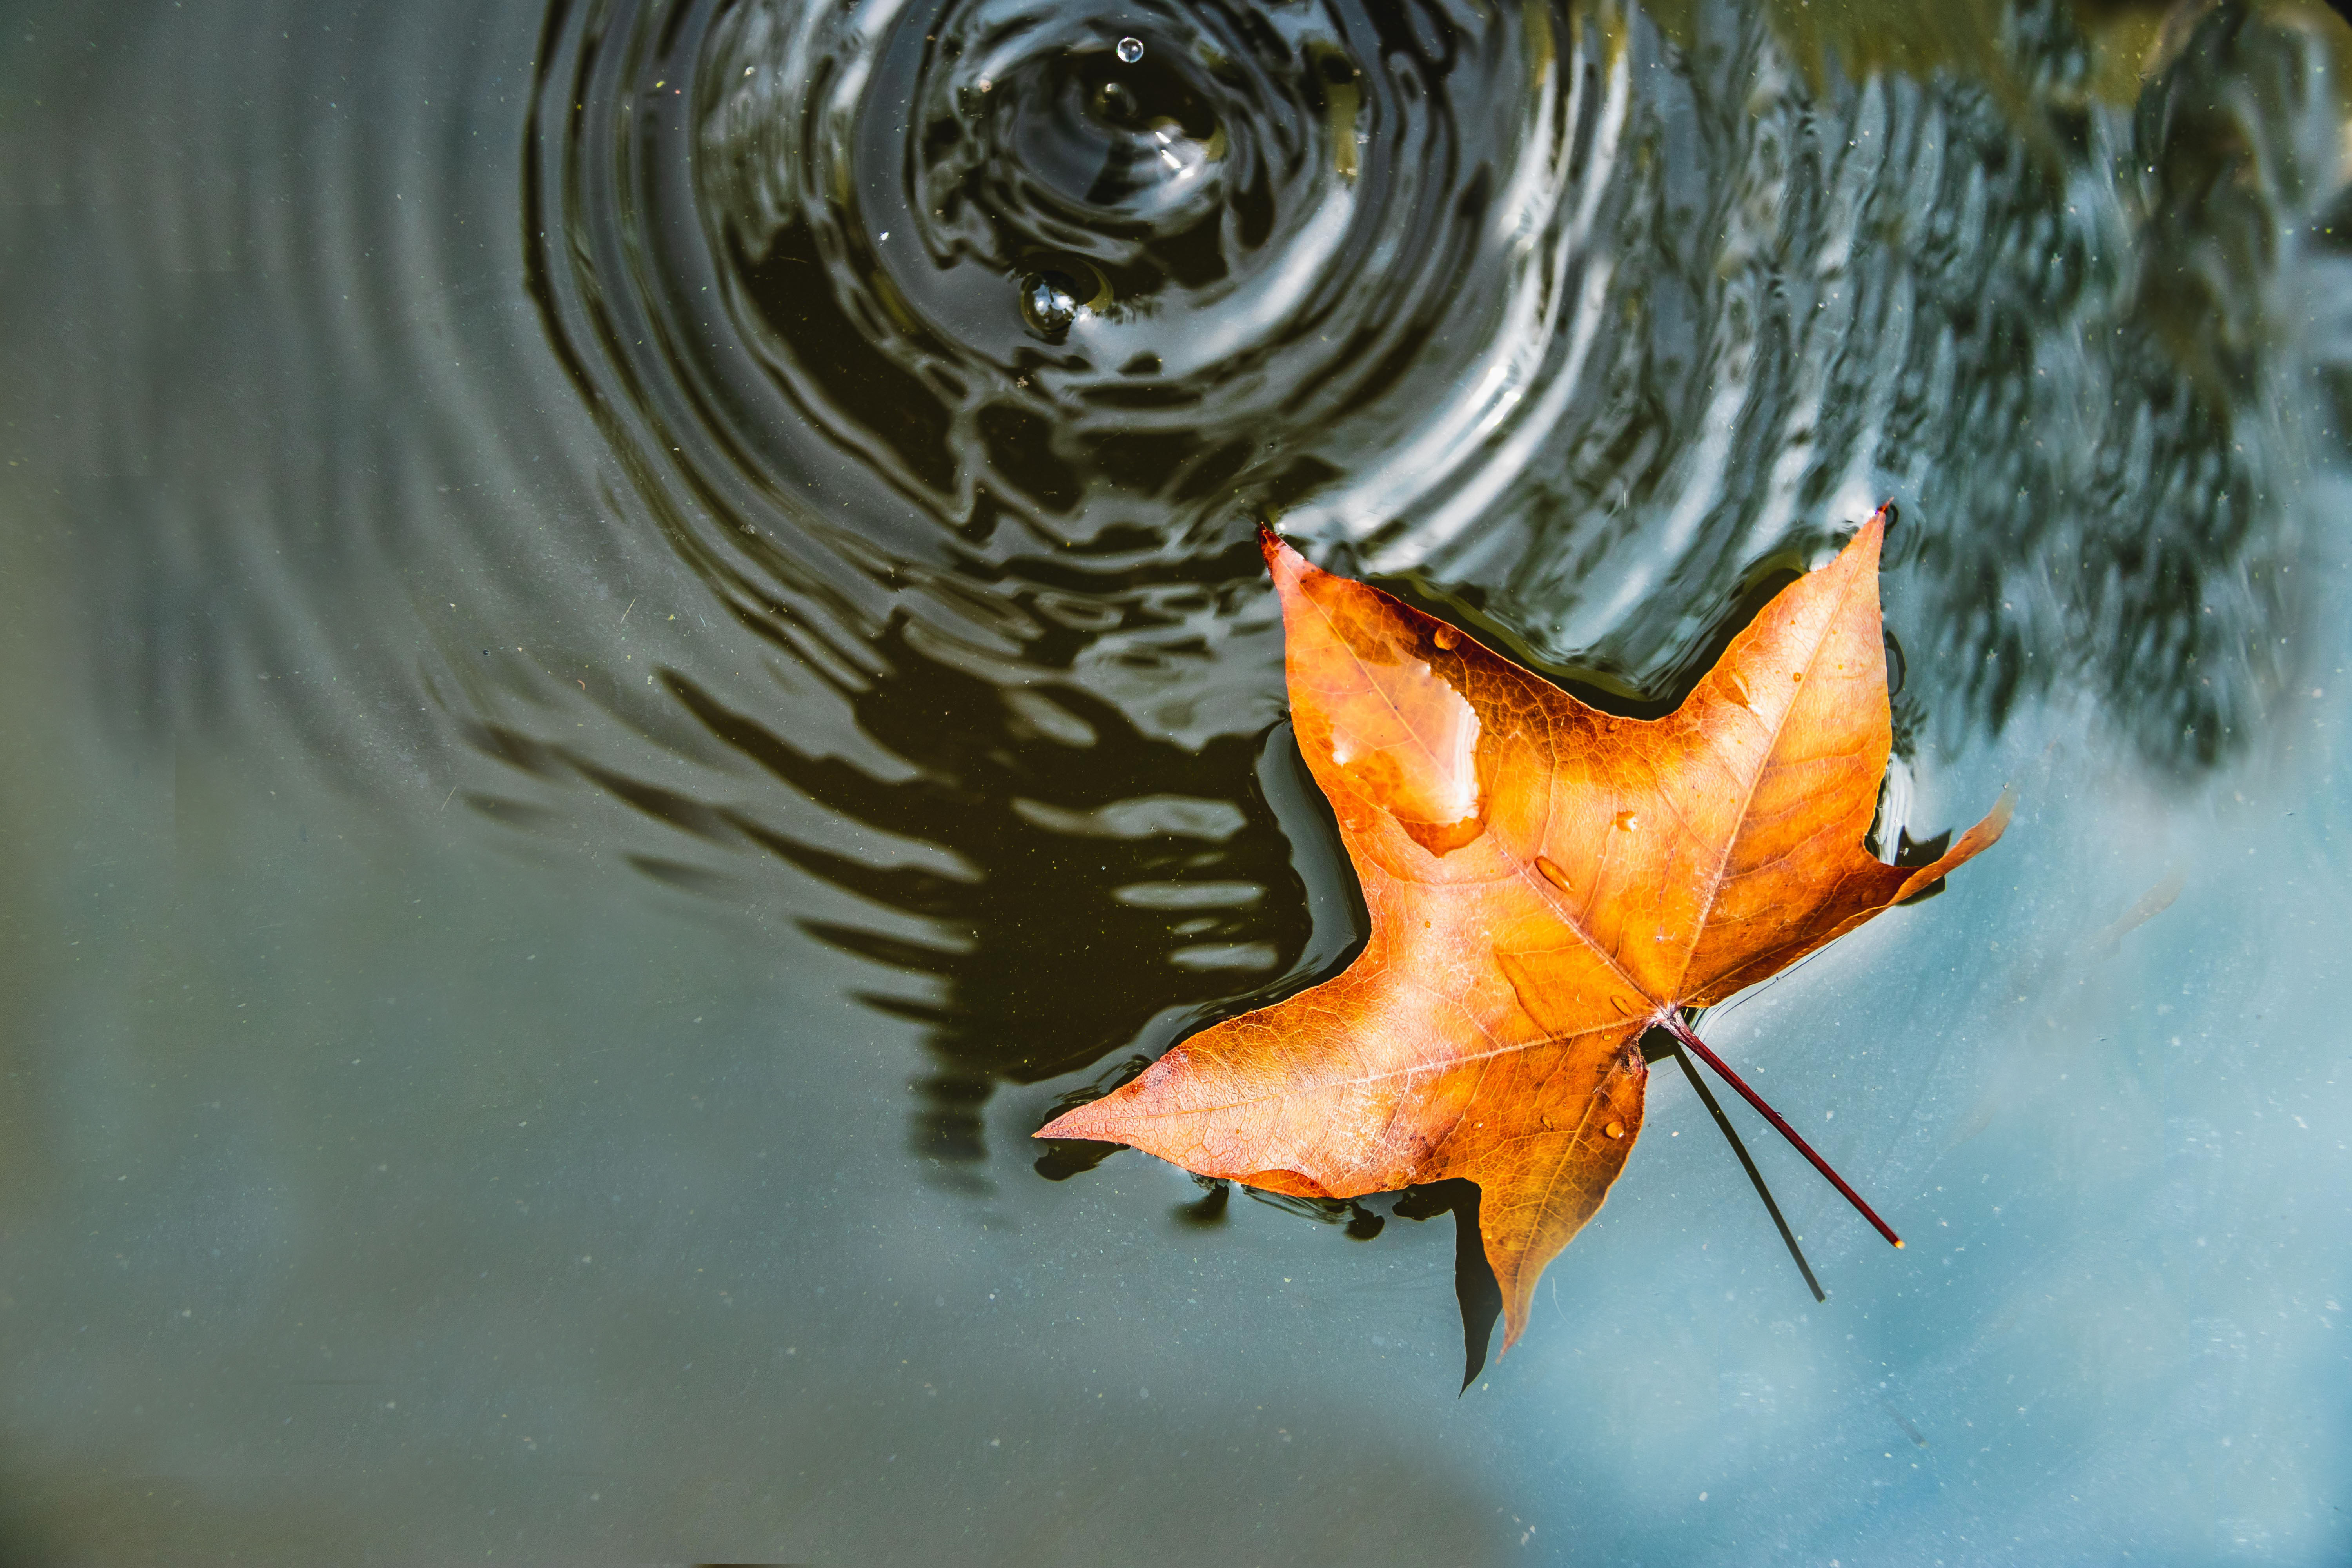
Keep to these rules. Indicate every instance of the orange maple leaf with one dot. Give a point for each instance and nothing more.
(1547, 883)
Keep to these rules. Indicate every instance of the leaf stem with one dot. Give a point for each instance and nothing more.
(1731, 1135)
(1673, 1024)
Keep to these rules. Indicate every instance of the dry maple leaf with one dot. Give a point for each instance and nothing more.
(1546, 883)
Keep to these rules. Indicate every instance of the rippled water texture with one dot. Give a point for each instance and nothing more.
(1449, 298)
(635, 642)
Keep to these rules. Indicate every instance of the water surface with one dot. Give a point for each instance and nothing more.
(634, 642)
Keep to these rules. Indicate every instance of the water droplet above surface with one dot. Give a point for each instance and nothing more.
(1050, 302)
(1131, 50)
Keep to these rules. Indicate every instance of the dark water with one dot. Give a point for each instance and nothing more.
(634, 642)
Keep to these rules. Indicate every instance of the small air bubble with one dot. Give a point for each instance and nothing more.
(1131, 50)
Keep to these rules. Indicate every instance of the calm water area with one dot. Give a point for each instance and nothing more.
(631, 643)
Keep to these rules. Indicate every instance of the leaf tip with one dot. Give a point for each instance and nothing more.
(1270, 542)
(1069, 1125)
(1871, 535)
(1989, 831)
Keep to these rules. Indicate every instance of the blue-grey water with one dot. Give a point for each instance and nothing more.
(632, 641)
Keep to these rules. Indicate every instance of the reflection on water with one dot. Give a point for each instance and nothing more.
(959, 352)
(1138, 868)
(456, 662)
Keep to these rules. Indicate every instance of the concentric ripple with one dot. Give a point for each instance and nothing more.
(958, 282)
